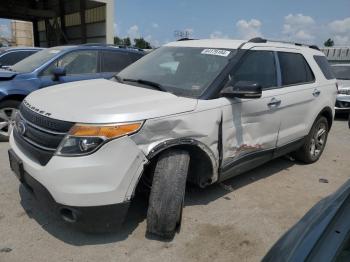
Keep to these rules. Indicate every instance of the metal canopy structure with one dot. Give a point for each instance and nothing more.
(60, 22)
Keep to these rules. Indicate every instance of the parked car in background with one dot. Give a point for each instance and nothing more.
(323, 234)
(54, 66)
(12, 55)
(342, 73)
(198, 111)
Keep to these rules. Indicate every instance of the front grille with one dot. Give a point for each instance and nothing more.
(40, 136)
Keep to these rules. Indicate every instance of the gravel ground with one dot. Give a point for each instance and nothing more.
(235, 221)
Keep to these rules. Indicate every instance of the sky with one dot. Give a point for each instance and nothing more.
(307, 21)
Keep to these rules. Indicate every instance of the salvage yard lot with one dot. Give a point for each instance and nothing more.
(238, 220)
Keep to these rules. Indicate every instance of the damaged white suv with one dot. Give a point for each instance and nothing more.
(198, 111)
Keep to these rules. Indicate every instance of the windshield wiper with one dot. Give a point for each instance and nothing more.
(118, 78)
(146, 82)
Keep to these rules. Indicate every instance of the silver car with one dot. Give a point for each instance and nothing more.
(342, 73)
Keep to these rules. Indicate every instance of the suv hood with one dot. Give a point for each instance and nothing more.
(6, 75)
(105, 101)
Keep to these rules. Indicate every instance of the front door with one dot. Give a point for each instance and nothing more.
(79, 65)
(250, 126)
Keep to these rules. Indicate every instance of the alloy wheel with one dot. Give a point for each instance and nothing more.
(7, 119)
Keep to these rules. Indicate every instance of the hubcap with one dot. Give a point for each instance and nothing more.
(318, 140)
(7, 119)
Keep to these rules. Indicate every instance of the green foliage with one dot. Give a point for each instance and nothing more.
(122, 41)
(142, 43)
(329, 42)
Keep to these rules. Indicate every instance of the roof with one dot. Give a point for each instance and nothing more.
(20, 48)
(234, 44)
(98, 46)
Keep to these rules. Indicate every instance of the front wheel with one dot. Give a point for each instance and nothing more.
(167, 193)
(8, 111)
(315, 142)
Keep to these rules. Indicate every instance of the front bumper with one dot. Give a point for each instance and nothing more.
(342, 103)
(93, 219)
(106, 177)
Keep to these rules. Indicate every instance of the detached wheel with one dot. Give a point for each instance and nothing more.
(8, 111)
(315, 142)
(167, 194)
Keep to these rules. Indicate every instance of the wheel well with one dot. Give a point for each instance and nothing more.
(13, 97)
(200, 169)
(327, 113)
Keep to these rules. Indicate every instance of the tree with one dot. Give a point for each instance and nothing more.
(329, 43)
(127, 41)
(118, 41)
(142, 43)
(122, 41)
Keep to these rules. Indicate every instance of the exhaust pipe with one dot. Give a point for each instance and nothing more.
(69, 215)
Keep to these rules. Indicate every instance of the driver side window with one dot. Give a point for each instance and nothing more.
(259, 67)
(76, 62)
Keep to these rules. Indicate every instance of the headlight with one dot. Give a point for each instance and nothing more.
(83, 139)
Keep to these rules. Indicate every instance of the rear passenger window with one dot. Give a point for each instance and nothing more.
(259, 67)
(114, 61)
(324, 66)
(12, 58)
(294, 69)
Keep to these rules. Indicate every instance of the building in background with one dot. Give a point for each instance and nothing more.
(22, 33)
(62, 22)
(337, 55)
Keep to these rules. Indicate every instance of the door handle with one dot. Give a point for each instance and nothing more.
(274, 102)
(316, 93)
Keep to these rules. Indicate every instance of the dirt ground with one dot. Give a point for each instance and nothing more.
(235, 221)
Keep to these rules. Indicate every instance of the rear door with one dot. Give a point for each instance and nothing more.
(112, 62)
(298, 94)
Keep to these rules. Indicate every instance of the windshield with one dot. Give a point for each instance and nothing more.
(342, 72)
(183, 71)
(32, 62)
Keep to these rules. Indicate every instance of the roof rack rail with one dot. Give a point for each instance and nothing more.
(262, 40)
(97, 44)
(186, 39)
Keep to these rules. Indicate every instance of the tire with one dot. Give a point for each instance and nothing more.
(167, 194)
(315, 142)
(7, 113)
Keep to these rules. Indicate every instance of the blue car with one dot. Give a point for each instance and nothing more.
(54, 66)
(12, 55)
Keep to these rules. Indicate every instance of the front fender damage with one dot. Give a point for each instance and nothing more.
(198, 129)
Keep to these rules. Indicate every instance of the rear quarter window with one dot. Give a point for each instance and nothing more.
(294, 69)
(324, 66)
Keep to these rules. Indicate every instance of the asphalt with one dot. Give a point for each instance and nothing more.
(238, 220)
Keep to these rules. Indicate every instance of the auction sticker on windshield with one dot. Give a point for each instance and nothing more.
(218, 52)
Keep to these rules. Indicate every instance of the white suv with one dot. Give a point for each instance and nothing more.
(198, 111)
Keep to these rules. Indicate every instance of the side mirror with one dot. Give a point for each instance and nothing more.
(58, 72)
(243, 89)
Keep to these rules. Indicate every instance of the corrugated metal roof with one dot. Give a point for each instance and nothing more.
(337, 53)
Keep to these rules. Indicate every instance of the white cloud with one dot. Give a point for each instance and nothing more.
(153, 42)
(299, 27)
(155, 25)
(249, 29)
(218, 34)
(116, 29)
(340, 31)
(133, 32)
